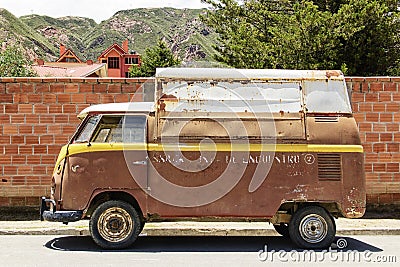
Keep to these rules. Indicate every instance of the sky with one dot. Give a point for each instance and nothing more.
(98, 10)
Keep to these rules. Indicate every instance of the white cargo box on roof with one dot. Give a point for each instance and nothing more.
(312, 91)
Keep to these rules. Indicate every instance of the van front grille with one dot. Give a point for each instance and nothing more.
(329, 167)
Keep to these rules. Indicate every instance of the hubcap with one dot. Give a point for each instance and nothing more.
(115, 224)
(313, 228)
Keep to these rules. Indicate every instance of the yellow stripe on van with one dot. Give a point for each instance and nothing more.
(103, 147)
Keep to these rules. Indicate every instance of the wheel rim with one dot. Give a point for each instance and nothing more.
(115, 224)
(313, 228)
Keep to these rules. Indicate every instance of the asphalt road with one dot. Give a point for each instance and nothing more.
(57, 251)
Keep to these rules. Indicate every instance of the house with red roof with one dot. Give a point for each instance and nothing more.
(119, 59)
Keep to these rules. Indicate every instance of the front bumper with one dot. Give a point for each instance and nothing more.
(51, 215)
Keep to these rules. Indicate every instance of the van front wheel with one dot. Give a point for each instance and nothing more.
(312, 227)
(115, 225)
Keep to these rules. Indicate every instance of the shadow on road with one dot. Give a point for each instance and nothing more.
(196, 244)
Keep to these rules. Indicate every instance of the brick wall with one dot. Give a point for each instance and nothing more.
(37, 116)
(376, 106)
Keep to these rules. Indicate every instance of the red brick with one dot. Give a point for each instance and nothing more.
(69, 108)
(25, 108)
(46, 119)
(10, 129)
(49, 80)
(120, 98)
(385, 97)
(2, 88)
(393, 107)
(379, 127)
(114, 88)
(86, 88)
(385, 157)
(40, 129)
(390, 86)
(49, 98)
(78, 98)
(5, 118)
(379, 107)
(93, 98)
(393, 147)
(386, 137)
(31, 139)
(40, 109)
(100, 88)
(376, 86)
(11, 108)
(368, 167)
(106, 99)
(55, 129)
(372, 137)
(4, 139)
(25, 129)
(359, 117)
(16, 118)
(39, 149)
(32, 119)
(27, 88)
(35, 98)
(46, 139)
(17, 139)
(386, 117)
(385, 198)
(365, 126)
(129, 88)
(57, 87)
(25, 149)
(53, 149)
(48, 159)
(5, 159)
(357, 97)
(18, 180)
(6, 98)
(64, 98)
(365, 107)
(33, 159)
(11, 149)
(379, 167)
(61, 118)
(372, 199)
(372, 117)
(56, 108)
(379, 147)
(392, 167)
(42, 88)
(12, 88)
(77, 80)
(18, 159)
(10, 170)
(71, 88)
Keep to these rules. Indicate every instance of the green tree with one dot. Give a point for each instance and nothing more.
(13, 63)
(158, 56)
(357, 36)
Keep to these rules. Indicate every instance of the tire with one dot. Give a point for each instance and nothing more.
(115, 225)
(312, 227)
(282, 229)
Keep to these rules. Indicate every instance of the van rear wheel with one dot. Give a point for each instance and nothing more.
(312, 227)
(115, 225)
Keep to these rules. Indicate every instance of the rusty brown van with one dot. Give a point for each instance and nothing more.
(274, 145)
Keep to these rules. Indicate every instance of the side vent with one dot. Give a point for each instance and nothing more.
(326, 119)
(329, 167)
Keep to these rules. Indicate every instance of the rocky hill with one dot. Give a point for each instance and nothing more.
(181, 29)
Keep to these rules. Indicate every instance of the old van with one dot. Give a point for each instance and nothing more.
(274, 145)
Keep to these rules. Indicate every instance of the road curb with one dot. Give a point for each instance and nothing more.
(193, 232)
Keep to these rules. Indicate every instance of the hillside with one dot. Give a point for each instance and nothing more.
(14, 30)
(181, 29)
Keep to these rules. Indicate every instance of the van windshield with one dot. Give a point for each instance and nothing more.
(86, 133)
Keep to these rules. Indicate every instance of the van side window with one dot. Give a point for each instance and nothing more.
(120, 129)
